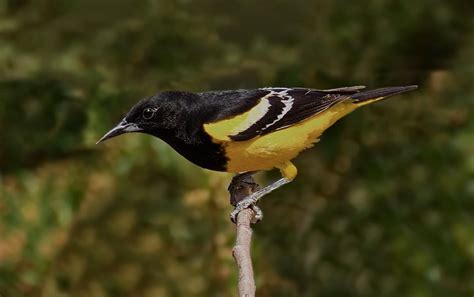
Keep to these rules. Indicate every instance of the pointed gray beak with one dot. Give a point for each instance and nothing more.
(121, 128)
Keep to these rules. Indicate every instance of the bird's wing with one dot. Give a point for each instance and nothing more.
(275, 109)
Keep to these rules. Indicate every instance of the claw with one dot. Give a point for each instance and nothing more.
(246, 203)
(257, 218)
(234, 214)
(258, 214)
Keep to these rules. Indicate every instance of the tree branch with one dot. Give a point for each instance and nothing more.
(241, 186)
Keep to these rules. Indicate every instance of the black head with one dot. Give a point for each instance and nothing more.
(151, 115)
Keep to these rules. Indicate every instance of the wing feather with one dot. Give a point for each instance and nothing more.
(276, 109)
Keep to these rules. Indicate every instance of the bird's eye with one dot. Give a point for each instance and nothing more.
(148, 113)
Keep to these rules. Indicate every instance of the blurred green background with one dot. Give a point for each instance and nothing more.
(383, 205)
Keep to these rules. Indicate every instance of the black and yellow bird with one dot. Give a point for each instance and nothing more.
(243, 131)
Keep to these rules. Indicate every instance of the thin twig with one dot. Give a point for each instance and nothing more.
(241, 253)
(240, 187)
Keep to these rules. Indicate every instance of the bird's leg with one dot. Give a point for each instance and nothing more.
(288, 170)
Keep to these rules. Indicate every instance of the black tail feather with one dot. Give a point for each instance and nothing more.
(381, 93)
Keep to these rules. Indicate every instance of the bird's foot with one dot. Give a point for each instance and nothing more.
(248, 202)
(252, 199)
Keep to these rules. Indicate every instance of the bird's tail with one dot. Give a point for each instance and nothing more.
(368, 97)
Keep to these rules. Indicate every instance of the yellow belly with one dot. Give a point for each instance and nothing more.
(273, 149)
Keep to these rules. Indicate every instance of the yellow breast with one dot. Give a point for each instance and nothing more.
(275, 148)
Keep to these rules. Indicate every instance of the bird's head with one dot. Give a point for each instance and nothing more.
(150, 115)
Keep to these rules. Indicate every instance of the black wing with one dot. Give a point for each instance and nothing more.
(288, 106)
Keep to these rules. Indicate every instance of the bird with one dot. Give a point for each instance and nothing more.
(245, 131)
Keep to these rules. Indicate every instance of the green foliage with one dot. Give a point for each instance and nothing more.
(381, 207)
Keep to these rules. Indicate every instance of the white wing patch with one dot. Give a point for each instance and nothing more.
(287, 101)
(261, 109)
(271, 109)
(255, 114)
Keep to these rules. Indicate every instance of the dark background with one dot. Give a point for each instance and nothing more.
(382, 206)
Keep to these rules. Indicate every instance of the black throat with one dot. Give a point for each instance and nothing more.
(198, 148)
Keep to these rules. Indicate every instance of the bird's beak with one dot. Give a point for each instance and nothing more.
(121, 128)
